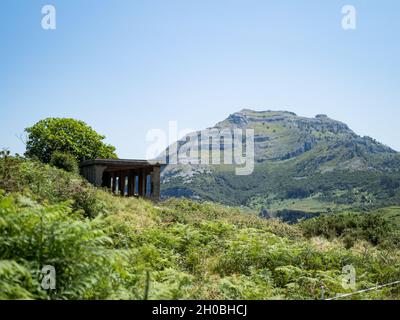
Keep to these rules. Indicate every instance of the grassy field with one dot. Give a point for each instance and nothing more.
(312, 204)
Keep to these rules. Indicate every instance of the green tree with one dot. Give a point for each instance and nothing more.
(66, 135)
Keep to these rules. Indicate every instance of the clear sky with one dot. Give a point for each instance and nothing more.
(126, 67)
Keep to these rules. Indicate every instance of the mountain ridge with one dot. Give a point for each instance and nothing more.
(288, 149)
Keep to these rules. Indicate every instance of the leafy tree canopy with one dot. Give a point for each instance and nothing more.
(66, 135)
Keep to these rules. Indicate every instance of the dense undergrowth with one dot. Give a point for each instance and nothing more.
(107, 247)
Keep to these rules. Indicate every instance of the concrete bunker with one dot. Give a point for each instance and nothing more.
(131, 178)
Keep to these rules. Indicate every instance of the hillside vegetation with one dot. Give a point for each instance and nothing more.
(108, 247)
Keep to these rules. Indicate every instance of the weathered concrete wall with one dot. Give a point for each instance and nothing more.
(94, 174)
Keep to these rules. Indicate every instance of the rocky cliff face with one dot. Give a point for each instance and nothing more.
(281, 135)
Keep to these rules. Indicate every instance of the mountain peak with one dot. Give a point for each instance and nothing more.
(251, 112)
(248, 118)
(290, 152)
(281, 135)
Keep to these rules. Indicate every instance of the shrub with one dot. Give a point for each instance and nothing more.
(65, 161)
(10, 179)
(371, 227)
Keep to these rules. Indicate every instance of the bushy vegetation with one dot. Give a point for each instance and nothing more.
(371, 227)
(108, 247)
(48, 184)
(65, 161)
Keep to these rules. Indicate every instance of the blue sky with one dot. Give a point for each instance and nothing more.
(126, 67)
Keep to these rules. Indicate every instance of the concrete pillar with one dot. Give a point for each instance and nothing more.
(134, 183)
(144, 183)
(130, 185)
(141, 189)
(113, 182)
(117, 184)
(121, 183)
(155, 182)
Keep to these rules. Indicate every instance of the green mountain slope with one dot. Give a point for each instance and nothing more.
(308, 164)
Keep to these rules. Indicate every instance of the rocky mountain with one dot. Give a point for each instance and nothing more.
(310, 165)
